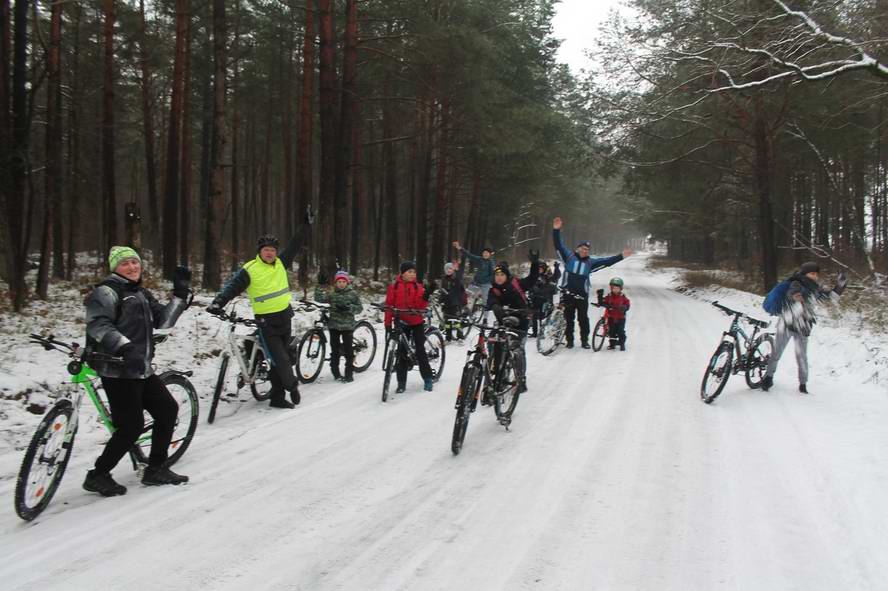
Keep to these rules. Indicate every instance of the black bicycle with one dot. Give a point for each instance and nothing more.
(753, 352)
(488, 376)
(397, 338)
(311, 350)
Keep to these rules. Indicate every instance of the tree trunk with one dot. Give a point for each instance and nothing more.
(358, 197)
(235, 129)
(73, 172)
(212, 252)
(171, 193)
(148, 125)
(390, 200)
(327, 69)
(304, 170)
(440, 213)
(343, 147)
(109, 195)
(185, 168)
(763, 161)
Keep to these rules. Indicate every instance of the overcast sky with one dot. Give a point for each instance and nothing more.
(576, 22)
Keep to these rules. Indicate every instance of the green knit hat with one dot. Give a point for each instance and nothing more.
(119, 254)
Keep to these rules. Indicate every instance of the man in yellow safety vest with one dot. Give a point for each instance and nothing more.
(265, 280)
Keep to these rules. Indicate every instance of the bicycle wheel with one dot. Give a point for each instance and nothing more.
(757, 359)
(312, 350)
(434, 346)
(261, 385)
(45, 460)
(551, 333)
(717, 372)
(364, 343)
(436, 303)
(468, 392)
(185, 396)
(599, 335)
(506, 391)
(388, 366)
(220, 385)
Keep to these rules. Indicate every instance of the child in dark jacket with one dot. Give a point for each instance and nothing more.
(344, 305)
(617, 304)
(454, 299)
(543, 293)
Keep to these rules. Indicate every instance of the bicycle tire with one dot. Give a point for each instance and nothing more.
(505, 401)
(25, 483)
(261, 364)
(468, 390)
(312, 354)
(436, 352)
(757, 362)
(187, 419)
(388, 366)
(722, 374)
(551, 333)
(364, 342)
(217, 390)
(599, 335)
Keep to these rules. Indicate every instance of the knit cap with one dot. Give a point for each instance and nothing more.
(119, 254)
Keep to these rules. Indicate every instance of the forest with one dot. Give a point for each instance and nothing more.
(743, 134)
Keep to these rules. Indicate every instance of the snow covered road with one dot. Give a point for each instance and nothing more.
(614, 476)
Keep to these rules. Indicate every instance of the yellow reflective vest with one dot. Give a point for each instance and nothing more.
(269, 289)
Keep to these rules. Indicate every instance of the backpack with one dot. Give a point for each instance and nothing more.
(773, 303)
(517, 286)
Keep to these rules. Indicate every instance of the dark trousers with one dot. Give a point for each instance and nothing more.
(275, 343)
(617, 332)
(128, 400)
(341, 345)
(579, 309)
(417, 335)
(452, 322)
(541, 311)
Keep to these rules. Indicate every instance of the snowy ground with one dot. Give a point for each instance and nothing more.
(614, 476)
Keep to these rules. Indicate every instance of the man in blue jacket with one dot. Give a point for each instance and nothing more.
(578, 265)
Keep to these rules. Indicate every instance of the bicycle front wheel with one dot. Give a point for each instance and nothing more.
(388, 366)
(434, 347)
(468, 392)
(599, 335)
(757, 359)
(717, 372)
(312, 350)
(261, 385)
(551, 333)
(183, 392)
(220, 385)
(506, 391)
(364, 344)
(45, 460)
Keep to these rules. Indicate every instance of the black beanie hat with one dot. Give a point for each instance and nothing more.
(407, 265)
(809, 267)
(502, 267)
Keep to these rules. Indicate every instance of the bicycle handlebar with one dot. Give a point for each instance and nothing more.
(310, 304)
(750, 319)
(235, 319)
(416, 311)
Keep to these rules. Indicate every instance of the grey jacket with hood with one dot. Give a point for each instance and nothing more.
(119, 311)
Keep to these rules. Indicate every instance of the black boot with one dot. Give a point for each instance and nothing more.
(585, 345)
(522, 386)
(334, 368)
(767, 382)
(401, 388)
(294, 395)
(349, 370)
(102, 483)
(280, 402)
(569, 344)
(803, 388)
(158, 475)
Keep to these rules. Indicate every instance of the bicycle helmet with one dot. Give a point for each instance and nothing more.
(616, 281)
(267, 240)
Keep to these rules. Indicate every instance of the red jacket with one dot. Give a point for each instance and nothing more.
(619, 306)
(403, 294)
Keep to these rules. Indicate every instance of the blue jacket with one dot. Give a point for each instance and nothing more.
(483, 268)
(577, 269)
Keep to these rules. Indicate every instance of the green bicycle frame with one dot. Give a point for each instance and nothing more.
(85, 378)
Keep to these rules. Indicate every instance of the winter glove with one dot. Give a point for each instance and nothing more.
(132, 362)
(215, 309)
(534, 256)
(182, 282)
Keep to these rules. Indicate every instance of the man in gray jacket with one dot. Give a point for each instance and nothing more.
(121, 316)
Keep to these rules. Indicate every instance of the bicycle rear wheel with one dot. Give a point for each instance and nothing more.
(757, 360)
(599, 335)
(551, 333)
(45, 460)
(185, 396)
(434, 346)
(364, 344)
(468, 391)
(312, 352)
(388, 366)
(261, 385)
(717, 372)
(506, 391)
(220, 385)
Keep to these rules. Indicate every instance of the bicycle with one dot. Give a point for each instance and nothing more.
(252, 361)
(52, 444)
(496, 371)
(753, 362)
(312, 348)
(434, 346)
(469, 316)
(601, 332)
(551, 331)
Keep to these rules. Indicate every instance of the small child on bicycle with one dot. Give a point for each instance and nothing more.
(617, 304)
(344, 305)
(454, 299)
(406, 293)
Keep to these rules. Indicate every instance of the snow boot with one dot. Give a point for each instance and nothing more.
(522, 386)
(803, 388)
(158, 475)
(102, 483)
(429, 385)
(401, 389)
(767, 382)
(280, 402)
(294, 395)
(622, 347)
(349, 371)
(334, 368)
(585, 345)
(569, 345)
(611, 346)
